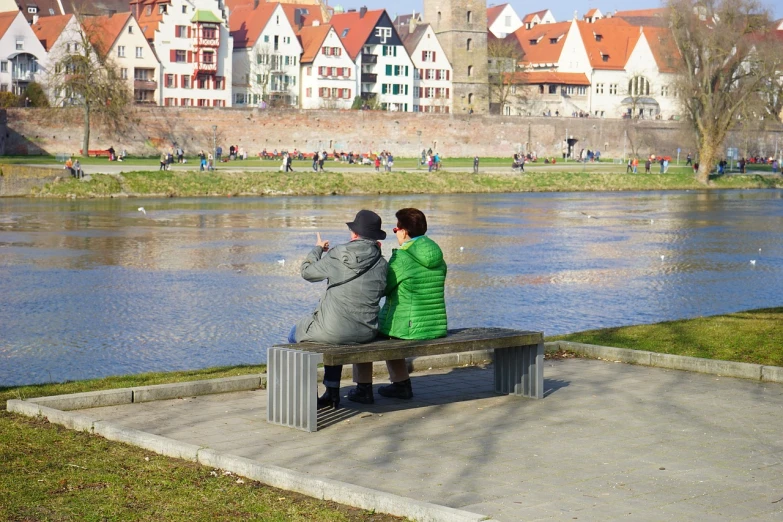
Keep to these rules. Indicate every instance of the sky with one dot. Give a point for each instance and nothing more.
(563, 10)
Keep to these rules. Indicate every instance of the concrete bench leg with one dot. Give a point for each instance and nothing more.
(520, 371)
(292, 385)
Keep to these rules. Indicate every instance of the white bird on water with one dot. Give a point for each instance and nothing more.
(281, 262)
(652, 221)
(753, 262)
(461, 249)
(141, 209)
(663, 257)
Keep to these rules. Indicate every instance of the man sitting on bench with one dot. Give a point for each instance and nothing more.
(348, 311)
(415, 305)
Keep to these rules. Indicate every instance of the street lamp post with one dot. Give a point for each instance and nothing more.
(214, 145)
(418, 157)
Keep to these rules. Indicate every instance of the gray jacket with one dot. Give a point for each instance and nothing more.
(347, 313)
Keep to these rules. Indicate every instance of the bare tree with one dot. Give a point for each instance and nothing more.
(503, 56)
(83, 74)
(727, 56)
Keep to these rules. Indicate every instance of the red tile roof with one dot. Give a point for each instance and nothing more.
(543, 51)
(493, 12)
(529, 17)
(551, 77)
(6, 19)
(148, 20)
(313, 16)
(246, 23)
(312, 38)
(617, 41)
(49, 28)
(663, 48)
(103, 31)
(658, 11)
(359, 28)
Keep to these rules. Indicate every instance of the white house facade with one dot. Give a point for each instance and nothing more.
(192, 41)
(432, 86)
(22, 57)
(329, 79)
(503, 20)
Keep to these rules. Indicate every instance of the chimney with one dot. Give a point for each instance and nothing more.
(362, 11)
(35, 21)
(255, 4)
(413, 22)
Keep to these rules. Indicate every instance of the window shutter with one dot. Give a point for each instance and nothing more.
(388, 70)
(188, 31)
(348, 72)
(175, 78)
(190, 56)
(172, 55)
(339, 51)
(447, 76)
(433, 55)
(447, 93)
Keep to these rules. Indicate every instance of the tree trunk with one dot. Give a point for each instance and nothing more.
(707, 155)
(86, 140)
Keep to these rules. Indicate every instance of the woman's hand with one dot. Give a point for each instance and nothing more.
(321, 242)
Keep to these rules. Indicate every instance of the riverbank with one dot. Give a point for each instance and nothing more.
(180, 183)
(91, 478)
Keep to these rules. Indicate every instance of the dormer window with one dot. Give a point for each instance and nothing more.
(604, 57)
(533, 42)
(161, 9)
(553, 40)
(598, 37)
(149, 10)
(345, 32)
(32, 10)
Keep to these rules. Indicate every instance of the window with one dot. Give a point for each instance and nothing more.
(180, 31)
(638, 86)
(553, 89)
(185, 81)
(469, 17)
(469, 45)
(121, 51)
(612, 88)
(139, 52)
(32, 10)
(599, 88)
(239, 98)
(161, 8)
(208, 33)
(581, 90)
(130, 29)
(68, 48)
(3, 66)
(184, 11)
(169, 80)
(202, 83)
(4, 87)
(470, 98)
(664, 90)
(266, 38)
(179, 56)
(20, 44)
(470, 70)
(309, 92)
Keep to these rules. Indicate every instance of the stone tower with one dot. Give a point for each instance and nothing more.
(461, 27)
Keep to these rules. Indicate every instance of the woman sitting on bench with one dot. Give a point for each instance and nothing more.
(415, 305)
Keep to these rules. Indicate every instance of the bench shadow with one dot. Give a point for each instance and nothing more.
(438, 389)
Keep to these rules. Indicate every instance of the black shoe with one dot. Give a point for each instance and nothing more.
(362, 394)
(330, 399)
(397, 390)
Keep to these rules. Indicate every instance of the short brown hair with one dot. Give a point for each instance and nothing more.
(412, 220)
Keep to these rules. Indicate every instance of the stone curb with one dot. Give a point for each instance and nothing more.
(756, 372)
(275, 476)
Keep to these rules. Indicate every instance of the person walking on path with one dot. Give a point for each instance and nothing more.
(218, 153)
(415, 305)
(348, 311)
(689, 160)
(162, 161)
(289, 161)
(629, 166)
(647, 165)
(475, 164)
(210, 162)
(315, 161)
(635, 165)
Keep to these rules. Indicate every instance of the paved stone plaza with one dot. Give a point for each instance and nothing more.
(609, 441)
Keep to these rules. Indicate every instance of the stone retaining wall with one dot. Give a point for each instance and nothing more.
(19, 180)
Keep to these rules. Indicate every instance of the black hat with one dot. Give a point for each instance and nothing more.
(367, 224)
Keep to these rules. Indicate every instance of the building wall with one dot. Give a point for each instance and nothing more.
(19, 30)
(165, 41)
(153, 128)
(449, 20)
(255, 81)
(423, 103)
(131, 40)
(506, 23)
(312, 82)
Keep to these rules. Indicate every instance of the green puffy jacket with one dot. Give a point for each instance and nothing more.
(415, 305)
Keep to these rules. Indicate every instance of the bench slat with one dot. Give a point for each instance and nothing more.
(461, 340)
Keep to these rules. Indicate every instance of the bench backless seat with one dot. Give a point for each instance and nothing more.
(292, 383)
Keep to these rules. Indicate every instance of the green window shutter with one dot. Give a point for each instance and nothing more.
(406, 91)
(383, 89)
(388, 70)
(258, 78)
(396, 89)
(395, 50)
(384, 50)
(406, 70)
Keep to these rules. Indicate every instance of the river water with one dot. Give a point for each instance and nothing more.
(91, 288)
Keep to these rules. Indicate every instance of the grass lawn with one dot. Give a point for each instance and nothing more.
(51, 473)
(753, 336)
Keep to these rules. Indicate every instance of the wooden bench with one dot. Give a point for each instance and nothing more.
(96, 153)
(292, 383)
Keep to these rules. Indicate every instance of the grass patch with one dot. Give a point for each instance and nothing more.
(123, 381)
(753, 336)
(51, 473)
(302, 182)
